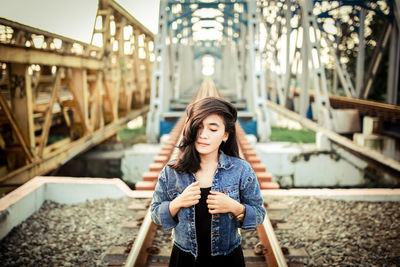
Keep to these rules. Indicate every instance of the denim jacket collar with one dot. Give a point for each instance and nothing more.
(224, 161)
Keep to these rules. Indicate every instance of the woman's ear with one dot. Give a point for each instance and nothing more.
(226, 136)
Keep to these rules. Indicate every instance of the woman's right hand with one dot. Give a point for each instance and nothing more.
(189, 197)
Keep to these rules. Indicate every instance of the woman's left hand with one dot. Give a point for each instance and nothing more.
(218, 202)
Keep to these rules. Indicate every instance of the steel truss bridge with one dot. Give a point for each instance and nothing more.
(291, 53)
(77, 93)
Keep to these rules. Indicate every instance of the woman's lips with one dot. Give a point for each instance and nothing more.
(202, 144)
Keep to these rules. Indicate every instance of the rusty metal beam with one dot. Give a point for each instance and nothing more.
(15, 127)
(49, 114)
(94, 86)
(130, 18)
(29, 55)
(61, 156)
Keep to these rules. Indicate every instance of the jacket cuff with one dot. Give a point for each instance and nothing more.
(249, 221)
(166, 219)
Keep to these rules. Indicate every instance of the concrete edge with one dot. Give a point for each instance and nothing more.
(38, 181)
(358, 194)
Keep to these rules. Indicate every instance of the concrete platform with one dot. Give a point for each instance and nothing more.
(307, 165)
(136, 161)
(21, 203)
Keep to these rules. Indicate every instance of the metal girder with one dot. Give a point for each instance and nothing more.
(288, 15)
(11, 53)
(353, 3)
(158, 84)
(256, 74)
(81, 90)
(396, 12)
(313, 33)
(282, 79)
(118, 8)
(310, 26)
(344, 76)
(61, 156)
(393, 71)
(376, 60)
(360, 54)
(239, 46)
(305, 55)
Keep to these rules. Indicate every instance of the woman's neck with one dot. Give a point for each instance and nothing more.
(209, 159)
(208, 165)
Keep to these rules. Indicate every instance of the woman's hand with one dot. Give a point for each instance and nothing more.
(218, 202)
(189, 197)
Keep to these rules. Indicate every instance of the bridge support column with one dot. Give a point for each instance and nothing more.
(160, 77)
(257, 98)
(393, 70)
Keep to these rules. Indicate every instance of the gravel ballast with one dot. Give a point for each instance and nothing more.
(332, 232)
(341, 233)
(68, 235)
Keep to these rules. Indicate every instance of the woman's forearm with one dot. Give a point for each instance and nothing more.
(174, 207)
(237, 209)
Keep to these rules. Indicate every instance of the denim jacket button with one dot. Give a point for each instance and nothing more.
(190, 219)
(216, 216)
(215, 234)
(192, 237)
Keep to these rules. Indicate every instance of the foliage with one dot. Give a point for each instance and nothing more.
(133, 136)
(291, 135)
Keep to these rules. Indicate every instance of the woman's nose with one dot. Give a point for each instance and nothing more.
(202, 133)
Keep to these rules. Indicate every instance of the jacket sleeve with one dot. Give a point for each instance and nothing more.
(250, 196)
(160, 205)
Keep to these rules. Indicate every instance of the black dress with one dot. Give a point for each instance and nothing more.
(181, 258)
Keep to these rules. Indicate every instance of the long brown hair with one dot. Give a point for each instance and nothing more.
(188, 158)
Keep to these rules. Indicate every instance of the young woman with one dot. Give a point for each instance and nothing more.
(208, 192)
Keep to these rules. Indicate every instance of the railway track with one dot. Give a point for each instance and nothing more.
(149, 245)
(152, 245)
(146, 252)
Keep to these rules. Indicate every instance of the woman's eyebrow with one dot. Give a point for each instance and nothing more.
(213, 124)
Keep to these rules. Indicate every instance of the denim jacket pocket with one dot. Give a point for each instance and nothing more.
(232, 192)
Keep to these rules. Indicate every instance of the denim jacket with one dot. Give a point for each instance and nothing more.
(234, 177)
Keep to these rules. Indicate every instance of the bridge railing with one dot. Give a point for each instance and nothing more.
(59, 96)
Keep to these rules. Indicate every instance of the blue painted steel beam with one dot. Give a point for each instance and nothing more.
(207, 5)
(211, 53)
(181, 27)
(349, 3)
(186, 14)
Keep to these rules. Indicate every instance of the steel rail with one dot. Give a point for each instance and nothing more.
(265, 231)
(274, 255)
(138, 255)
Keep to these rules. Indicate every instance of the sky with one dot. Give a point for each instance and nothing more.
(73, 18)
